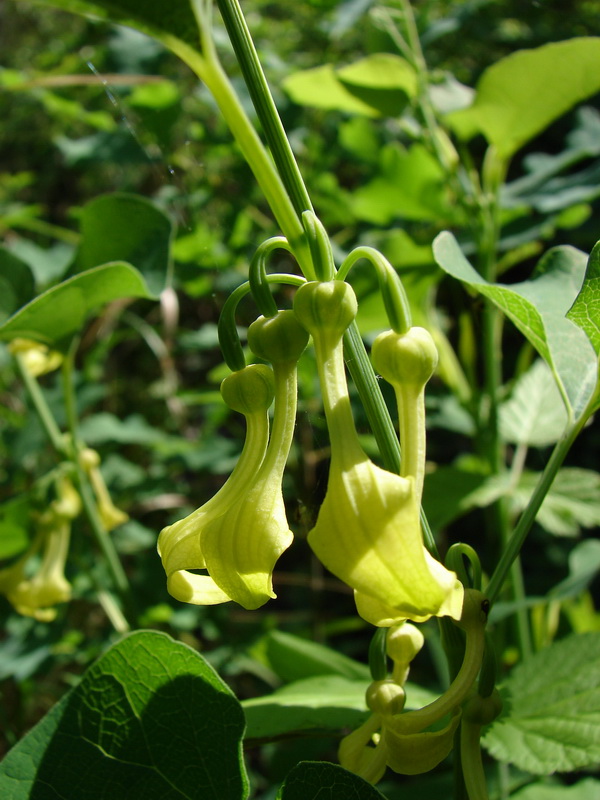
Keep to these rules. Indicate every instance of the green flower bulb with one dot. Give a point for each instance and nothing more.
(278, 338)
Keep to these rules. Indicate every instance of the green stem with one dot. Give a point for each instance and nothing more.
(264, 104)
(41, 407)
(472, 765)
(515, 543)
(87, 497)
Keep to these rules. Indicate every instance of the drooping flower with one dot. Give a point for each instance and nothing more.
(110, 515)
(37, 358)
(368, 530)
(38, 595)
(250, 392)
(239, 535)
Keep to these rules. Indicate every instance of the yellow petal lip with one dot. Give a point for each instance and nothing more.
(368, 534)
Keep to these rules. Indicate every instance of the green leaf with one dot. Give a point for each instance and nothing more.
(60, 312)
(14, 523)
(17, 286)
(325, 703)
(319, 780)
(410, 185)
(553, 717)
(320, 88)
(382, 80)
(585, 311)
(534, 415)
(538, 308)
(584, 565)
(292, 658)
(587, 789)
(520, 95)
(449, 492)
(126, 227)
(172, 23)
(572, 503)
(378, 85)
(150, 720)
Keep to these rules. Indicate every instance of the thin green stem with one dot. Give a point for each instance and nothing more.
(87, 497)
(264, 104)
(515, 543)
(41, 407)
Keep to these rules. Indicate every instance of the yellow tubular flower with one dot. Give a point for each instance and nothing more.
(242, 546)
(37, 596)
(110, 515)
(181, 545)
(368, 531)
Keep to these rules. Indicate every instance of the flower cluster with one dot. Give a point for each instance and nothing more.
(368, 530)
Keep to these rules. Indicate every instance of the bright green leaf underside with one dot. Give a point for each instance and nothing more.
(538, 307)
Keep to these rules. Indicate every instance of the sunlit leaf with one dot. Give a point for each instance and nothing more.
(538, 308)
(520, 95)
(552, 718)
(61, 312)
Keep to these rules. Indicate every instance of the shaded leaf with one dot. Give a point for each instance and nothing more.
(584, 565)
(538, 308)
(150, 720)
(410, 185)
(292, 658)
(174, 23)
(319, 780)
(553, 717)
(572, 503)
(520, 95)
(60, 312)
(16, 284)
(127, 227)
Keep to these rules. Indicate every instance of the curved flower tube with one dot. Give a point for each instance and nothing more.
(403, 740)
(368, 531)
(181, 545)
(242, 546)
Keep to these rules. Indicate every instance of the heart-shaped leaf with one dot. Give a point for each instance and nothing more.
(127, 227)
(538, 308)
(520, 95)
(150, 720)
(59, 313)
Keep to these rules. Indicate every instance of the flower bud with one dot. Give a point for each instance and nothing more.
(385, 697)
(404, 642)
(278, 338)
(329, 306)
(405, 358)
(250, 389)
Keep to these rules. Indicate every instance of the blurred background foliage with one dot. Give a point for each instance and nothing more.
(88, 108)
